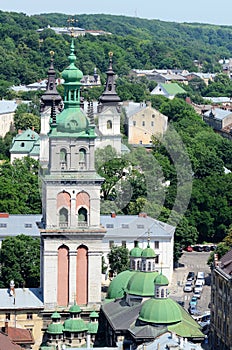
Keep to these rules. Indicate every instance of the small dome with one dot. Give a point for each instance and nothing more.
(55, 316)
(55, 328)
(75, 309)
(160, 311)
(142, 283)
(136, 251)
(72, 120)
(118, 285)
(75, 325)
(93, 327)
(72, 74)
(94, 314)
(148, 252)
(161, 280)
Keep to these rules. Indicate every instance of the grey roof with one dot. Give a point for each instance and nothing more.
(218, 113)
(220, 99)
(14, 225)
(132, 108)
(8, 106)
(135, 227)
(226, 263)
(24, 298)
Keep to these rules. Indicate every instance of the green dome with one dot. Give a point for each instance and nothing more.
(118, 284)
(161, 280)
(75, 309)
(55, 328)
(92, 327)
(72, 120)
(75, 325)
(160, 311)
(148, 252)
(136, 251)
(94, 314)
(142, 283)
(55, 315)
(72, 74)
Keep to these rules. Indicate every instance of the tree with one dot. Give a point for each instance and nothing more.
(118, 259)
(20, 261)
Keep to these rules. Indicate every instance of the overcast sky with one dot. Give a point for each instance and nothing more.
(201, 11)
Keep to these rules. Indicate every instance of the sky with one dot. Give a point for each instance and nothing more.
(201, 11)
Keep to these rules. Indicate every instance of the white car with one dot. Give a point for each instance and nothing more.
(198, 286)
(197, 294)
(188, 287)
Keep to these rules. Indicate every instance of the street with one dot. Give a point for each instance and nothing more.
(191, 261)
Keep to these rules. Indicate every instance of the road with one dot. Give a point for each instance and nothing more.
(191, 261)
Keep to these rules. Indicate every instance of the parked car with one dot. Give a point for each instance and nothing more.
(206, 248)
(201, 276)
(198, 248)
(198, 286)
(193, 310)
(197, 294)
(188, 248)
(213, 247)
(193, 301)
(188, 287)
(191, 276)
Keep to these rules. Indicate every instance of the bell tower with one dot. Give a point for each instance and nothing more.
(72, 234)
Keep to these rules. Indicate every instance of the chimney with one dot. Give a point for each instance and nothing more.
(12, 289)
(20, 131)
(4, 215)
(113, 214)
(142, 215)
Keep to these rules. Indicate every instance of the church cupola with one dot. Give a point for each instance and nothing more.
(135, 257)
(51, 94)
(109, 97)
(148, 258)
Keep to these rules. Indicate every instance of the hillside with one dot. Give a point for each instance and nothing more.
(136, 43)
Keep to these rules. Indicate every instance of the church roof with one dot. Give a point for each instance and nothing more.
(118, 284)
(75, 325)
(141, 284)
(26, 142)
(136, 251)
(161, 280)
(148, 252)
(160, 311)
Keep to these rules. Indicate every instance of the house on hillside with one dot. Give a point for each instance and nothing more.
(25, 143)
(142, 122)
(218, 118)
(7, 111)
(169, 90)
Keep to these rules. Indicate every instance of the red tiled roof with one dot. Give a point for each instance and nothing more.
(7, 344)
(20, 336)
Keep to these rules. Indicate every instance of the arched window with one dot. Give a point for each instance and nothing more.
(149, 266)
(63, 217)
(109, 124)
(63, 158)
(82, 217)
(138, 265)
(162, 293)
(82, 158)
(22, 144)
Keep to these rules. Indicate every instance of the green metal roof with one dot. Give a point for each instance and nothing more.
(92, 327)
(75, 325)
(148, 252)
(74, 309)
(94, 314)
(118, 285)
(55, 316)
(172, 88)
(24, 142)
(55, 328)
(160, 311)
(142, 284)
(136, 251)
(161, 280)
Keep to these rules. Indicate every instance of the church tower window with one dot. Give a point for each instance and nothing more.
(82, 158)
(109, 124)
(63, 159)
(82, 217)
(63, 217)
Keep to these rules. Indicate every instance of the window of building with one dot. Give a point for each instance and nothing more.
(82, 158)
(109, 124)
(153, 115)
(111, 243)
(140, 142)
(109, 226)
(22, 144)
(29, 316)
(157, 259)
(134, 123)
(82, 216)
(7, 316)
(63, 217)
(124, 244)
(143, 123)
(140, 226)
(125, 226)
(2, 225)
(156, 244)
(63, 158)
(152, 123)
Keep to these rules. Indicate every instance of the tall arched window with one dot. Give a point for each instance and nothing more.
(63, 159)
(149, 266)
(63, 276)
(82, 217)
(109, 124)
(82, 276)
(63, 217)
(82, 158)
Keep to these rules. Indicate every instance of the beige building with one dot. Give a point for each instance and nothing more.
(7, 111)
(221, 306)
(142, 122)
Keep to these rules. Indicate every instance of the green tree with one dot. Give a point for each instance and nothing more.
(20, 261)
(118, 259)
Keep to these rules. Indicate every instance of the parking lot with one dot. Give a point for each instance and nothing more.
(191, 261)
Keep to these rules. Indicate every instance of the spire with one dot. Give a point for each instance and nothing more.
(109, 96)
(51, 94)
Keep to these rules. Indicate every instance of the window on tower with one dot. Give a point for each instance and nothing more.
(82, 159)
(109, 124)
(63, 159)
(82, 217)
(63, 217)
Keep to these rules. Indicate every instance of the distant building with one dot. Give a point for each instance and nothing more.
(169, 90)
(142, 122)
(74, 31)
(221, 306)
(218, 118)
(25, 144)
(7, 111)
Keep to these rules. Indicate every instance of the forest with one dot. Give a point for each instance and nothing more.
(136, 43)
